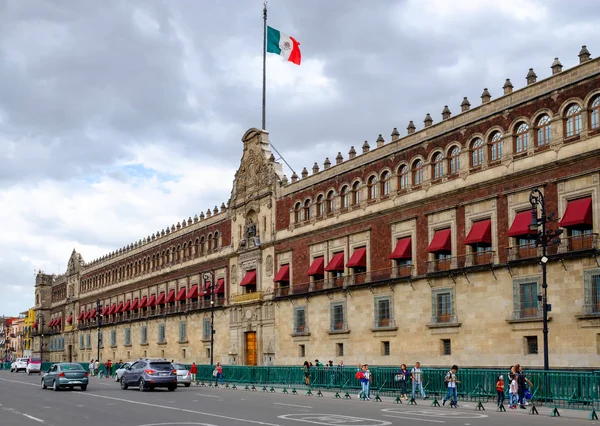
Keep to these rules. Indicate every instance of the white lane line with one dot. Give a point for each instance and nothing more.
(18, 381)
(292, 405)
(412, 418)
(33, 418)
(12, 410)
(183, 410)
(207, 395)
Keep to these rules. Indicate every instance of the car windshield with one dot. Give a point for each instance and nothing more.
(179, 367)
(70, 367)
(161, 366)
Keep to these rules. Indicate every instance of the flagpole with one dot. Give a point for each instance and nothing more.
(264, 82)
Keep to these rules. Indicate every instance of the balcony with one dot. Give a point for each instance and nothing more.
(525, 314)
(301, 330)
(382, 324)
(248, 297)
(339, 327)
(479, 259)
(578, 243)
(445, 264)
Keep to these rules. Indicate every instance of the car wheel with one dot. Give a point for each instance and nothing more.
(55, 386)
(142, 385)
(123, 384)
(187, 385)
(83, 387)
(116, 378)
(44, 384)
(172, 388)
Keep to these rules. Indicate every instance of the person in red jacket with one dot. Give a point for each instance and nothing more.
(194, 371)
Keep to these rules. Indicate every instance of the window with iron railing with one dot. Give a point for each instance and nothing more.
(338, 316)
(206, 329)
(383, 312)
(525, 298)
(88, 341)
(442, 299)
(81, 342)
(300, 320)
(591, 283)
(113, 338)
(144, 335)
(127, 336)
(183, 331)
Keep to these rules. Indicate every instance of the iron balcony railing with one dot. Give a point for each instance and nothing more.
(527, 313)
(578, 243)
(384, 323)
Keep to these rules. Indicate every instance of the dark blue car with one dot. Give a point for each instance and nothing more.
(147, 374)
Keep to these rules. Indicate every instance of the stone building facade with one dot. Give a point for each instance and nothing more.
(418, 248)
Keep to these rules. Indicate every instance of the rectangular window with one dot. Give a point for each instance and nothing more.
(339, 349)
(88, 341)
(531, 345)
(161, 333)
(127, 338)
(183, 331)
(300, 320)
(144, 335)
(206, 329)
(525, 298)
(100, 340)
(338, 319)
(383, 312)
(301, 351)
(591, 283)
(446, 347)
(442, 306)
(385, 348)
(113, 338)
(81, 341)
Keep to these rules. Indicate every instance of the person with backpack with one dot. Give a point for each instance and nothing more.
(401, 379)
(451, 382)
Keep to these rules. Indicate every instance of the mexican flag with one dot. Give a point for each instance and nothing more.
(283, 45)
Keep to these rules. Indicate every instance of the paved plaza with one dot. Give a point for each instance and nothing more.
(24, 403)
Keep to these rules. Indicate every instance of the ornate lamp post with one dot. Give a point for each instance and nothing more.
(211, 276)
(544, 238)
(41, 325)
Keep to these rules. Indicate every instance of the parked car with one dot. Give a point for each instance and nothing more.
(65, 374)
(119, 371)
(34, 366)
(148, 374)
(184, 377)
(19, 365)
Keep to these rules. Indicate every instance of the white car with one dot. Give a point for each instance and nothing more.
(19, 365)
(34, 366)
(119, 372)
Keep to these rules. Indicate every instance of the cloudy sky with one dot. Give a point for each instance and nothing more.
(118, 118)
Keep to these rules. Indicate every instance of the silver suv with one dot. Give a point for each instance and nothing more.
(147, 374)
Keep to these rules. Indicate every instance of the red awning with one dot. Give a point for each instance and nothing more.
(161, 299)
(403, 249)
(105, 310)
(520, 225)
(336, 263)
(119, 308)
(181, 294)
(70, 319)
(135, 304)
(193, 293)
(51, 323)
(170, 297)
(441, 242)
(143, 302)
(358, 258)
(578, 213)
(35, 324)
(113, 309)
(249, 278)
(480, 233)
(220, 287)
(127, 306)
(151, 301)
(89, 314)
(283, 274)
(316, 267)
(81, 316)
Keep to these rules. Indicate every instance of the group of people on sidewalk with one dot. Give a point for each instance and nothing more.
(518, 388)
(106, 369)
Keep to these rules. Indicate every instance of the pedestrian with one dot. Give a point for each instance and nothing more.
(219, 377)
(401, 379)
(500, 390)
(97, 367)
(514, 393)
(416, 375)
(317, 363)
(91, 367)
(365, 382)
(451, 382)
(522, 380)
(306, 369)
(194, 371)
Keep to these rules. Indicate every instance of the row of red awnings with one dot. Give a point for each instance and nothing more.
(148, 302)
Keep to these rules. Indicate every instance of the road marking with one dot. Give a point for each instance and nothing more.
(334, 419)
(184, 410)
(175, 424)
(12, 410)
(207, 395)
(412, 418)
(292, 405)
(33, 418)
(18, 381)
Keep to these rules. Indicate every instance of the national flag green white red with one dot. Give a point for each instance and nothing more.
(283, 45)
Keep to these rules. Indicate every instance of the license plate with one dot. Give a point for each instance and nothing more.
(75, 382)
(164, 374)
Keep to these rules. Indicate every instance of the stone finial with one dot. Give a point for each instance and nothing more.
(366, 147)
(315, 168)
(446, 113)
(352, 152)
(223, 207)
(411, 128)
(584, 54)
(428, 120)
(178, 225)
(208, 213)
(139, 242)
(465, 105)
(485, 96)
(272, 158)
(556, 66)
(196, 218)
(294, 177)
(380, 141)
(190, 220)
(152, 237)
(304, 173)
(167, 230)
(326, 163)
(395, 134)
(216, 210)
(339, 159)
(202, 216)
(173, 228)
(508, 86)
(531, 76)
(284, 180)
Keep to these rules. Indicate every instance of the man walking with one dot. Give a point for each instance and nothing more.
(451, 382)
(416, 375)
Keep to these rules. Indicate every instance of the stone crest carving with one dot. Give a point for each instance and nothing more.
(269, 265)
(253, 173)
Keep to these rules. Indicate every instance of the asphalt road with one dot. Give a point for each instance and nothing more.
(24, 403)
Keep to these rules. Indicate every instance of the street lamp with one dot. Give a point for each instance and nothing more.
(99, 322)
(543, 238)
(210, 276)
(41, 325)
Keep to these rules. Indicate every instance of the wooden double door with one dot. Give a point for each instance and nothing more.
(251, 348)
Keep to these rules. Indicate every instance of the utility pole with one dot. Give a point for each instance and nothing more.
(99, 322)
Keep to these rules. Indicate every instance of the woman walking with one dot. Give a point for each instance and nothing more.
(194, 371)
(219, 376)
(402, 379)
(306, 369)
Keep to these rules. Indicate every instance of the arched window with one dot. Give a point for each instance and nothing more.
(298, 213)
(417, 173)
(573, 121)
(202, 245)
(476, 153)
(385, 183)
(330, 202)
(403, 178)
(594, 113)
(495, 146)
(307, 210)
(372, 188)
(356, 193)
(437, 165)
(345, 194)
(217, 240)
(454, 160)
(543, 131)
(320, 205)
(521, 138)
